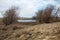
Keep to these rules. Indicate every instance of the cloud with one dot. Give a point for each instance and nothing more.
(28, 7)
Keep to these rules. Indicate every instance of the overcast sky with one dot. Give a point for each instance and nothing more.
(28, 7)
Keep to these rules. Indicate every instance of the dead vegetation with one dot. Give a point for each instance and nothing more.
(37, 32)
(20, 31)
(45, 15)
(10, 16)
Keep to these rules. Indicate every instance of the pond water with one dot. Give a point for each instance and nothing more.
(26, 20)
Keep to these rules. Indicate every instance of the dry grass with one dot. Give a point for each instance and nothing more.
(6, 31)
(49, 31)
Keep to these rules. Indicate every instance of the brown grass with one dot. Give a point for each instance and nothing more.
(49, 31)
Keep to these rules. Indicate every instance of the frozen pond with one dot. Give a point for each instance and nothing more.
(26, 20)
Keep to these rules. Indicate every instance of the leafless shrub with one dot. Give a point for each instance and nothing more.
(10, 16)
(45, 16)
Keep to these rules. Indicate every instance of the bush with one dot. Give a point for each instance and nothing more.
(45, 16)
(10, 16)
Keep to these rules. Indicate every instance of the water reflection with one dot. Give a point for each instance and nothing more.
(26, 20)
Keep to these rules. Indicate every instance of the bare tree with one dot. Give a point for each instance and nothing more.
(39, 16)
(10, 16)
(44, 16)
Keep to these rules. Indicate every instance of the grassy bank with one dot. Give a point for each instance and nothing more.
(16, 31)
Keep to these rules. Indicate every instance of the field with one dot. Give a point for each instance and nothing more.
(30, 20)
(50, 31)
